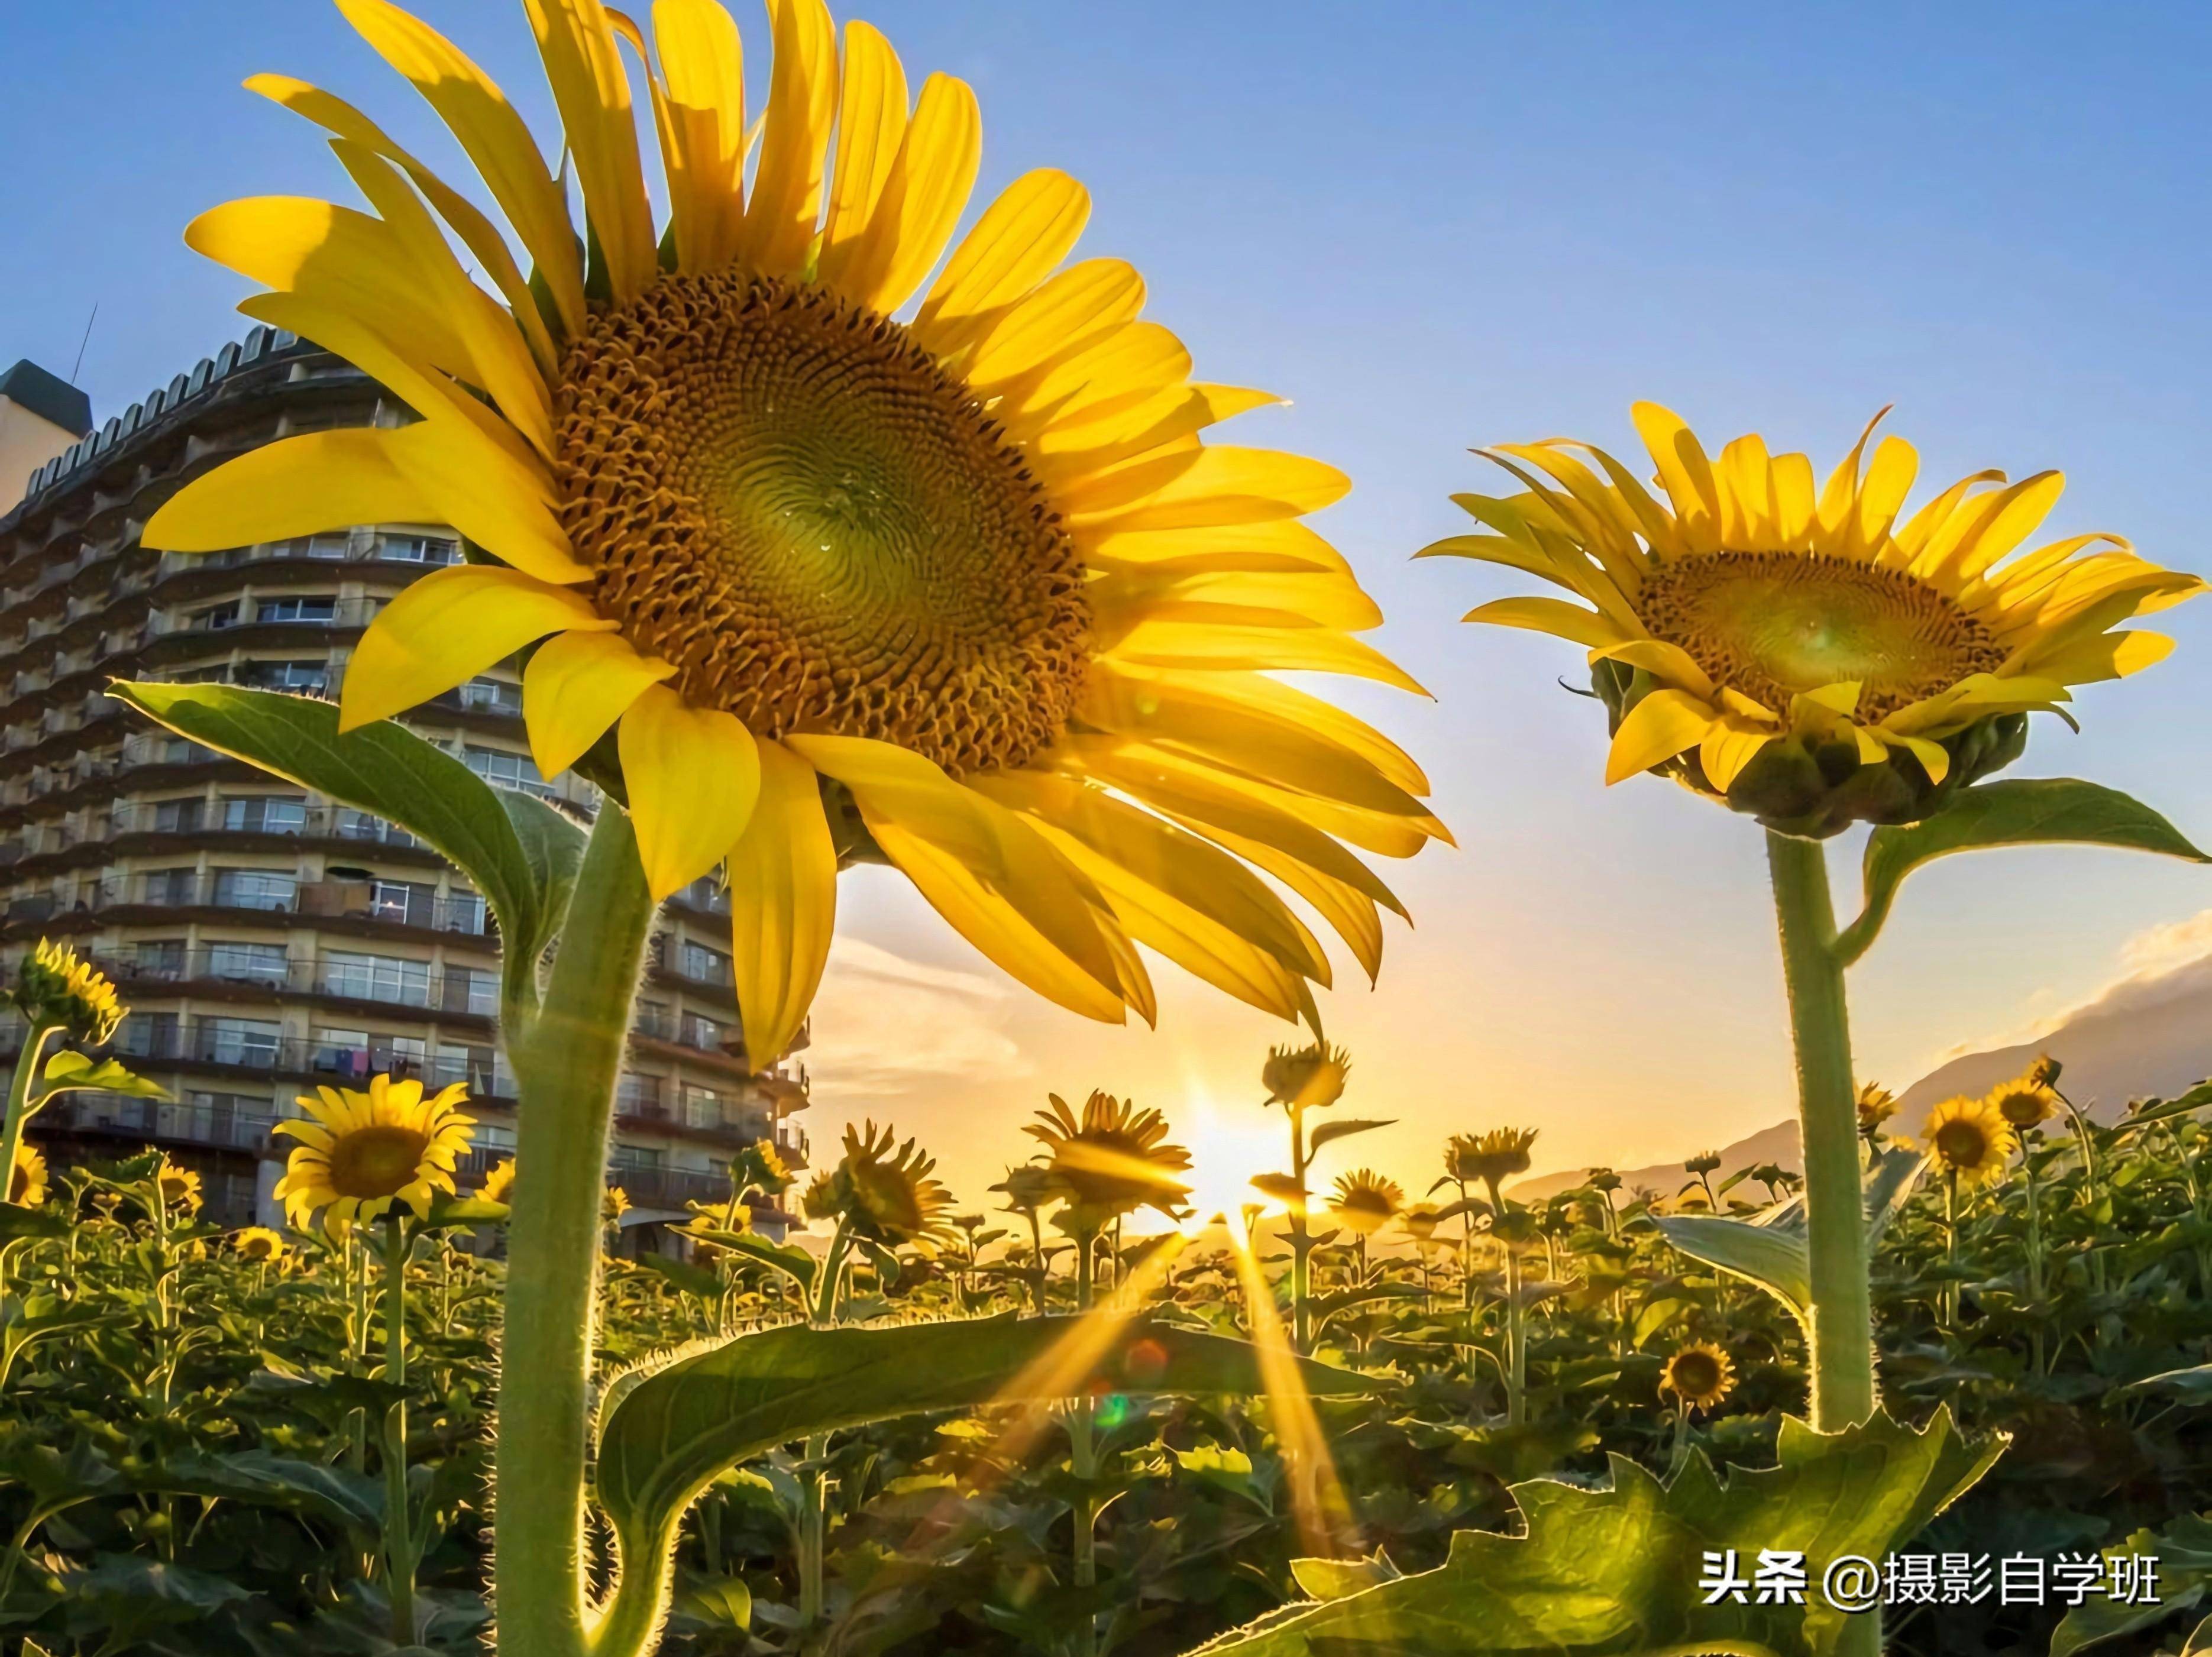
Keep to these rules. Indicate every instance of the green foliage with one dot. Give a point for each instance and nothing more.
(2022, 812)
(73, 1072)
(522, 854)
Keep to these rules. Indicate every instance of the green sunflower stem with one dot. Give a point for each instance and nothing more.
(1841, 1314)
(19, 1099)
(567, 1059)
(399, 1557)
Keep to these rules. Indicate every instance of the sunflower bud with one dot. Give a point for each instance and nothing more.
(54, 987)
(1492, 1158)
(1311, 1077)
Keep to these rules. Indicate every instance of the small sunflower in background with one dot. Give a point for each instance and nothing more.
(179, 1186)
(1311, 1078)
(1876, 1105)
(499, 1184)
(360, 1153)
(27, 1180)
(881, 1191)
(798, 497)
(1113, 1159)
(2028, 1100)
(1700, 1376)
(1970, 1141)
(613, 1204)
(1365, 1202)
(1491, 1158)
(57, 987)
(259, 1244)
(1802, 653)
(1421, 1221)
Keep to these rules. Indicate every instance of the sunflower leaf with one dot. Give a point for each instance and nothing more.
(2183, 1553)
(670, 1436)
(1617, 1572)
(1344, 1129)
(2027, 811)
(73, 1072)
(522, 853)
(1773, 1257)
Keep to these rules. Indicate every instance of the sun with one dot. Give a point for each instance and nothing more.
(1229, 1144)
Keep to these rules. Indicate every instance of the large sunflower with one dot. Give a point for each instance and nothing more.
(27, 1180)
(1970, 1141)
(956, 583)
(362, 1152)
(1798, 651)
(1111, 1160)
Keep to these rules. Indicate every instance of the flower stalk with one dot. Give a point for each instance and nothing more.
(401, 1555)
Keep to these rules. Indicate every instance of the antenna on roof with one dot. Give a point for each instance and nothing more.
(86, 341)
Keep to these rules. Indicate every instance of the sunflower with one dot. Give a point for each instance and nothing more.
(1311, 1077)
(1876, 1104)
(27, 1180)
(1701, 1374)
(1112, 1160)
(882, 1195)
(179, 1186)
(1027, 1189)
(1366, 1202)
(57, 987)
(760, 1167)
(2028, 1100)
(1492, 1159)
(1970, 1140)
(499, 1185)
(1421, 1221)
(960, 578)
(364, 1152)
(1283, 1188)
(1800, 653)
(613, 1204)
(259, 1242)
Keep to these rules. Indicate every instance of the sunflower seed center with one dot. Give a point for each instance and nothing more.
(376, 1161)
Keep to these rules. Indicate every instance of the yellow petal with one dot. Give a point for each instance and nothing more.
(1020, 240)
(1727, 749)
(2100, 656)
(576, 686)
(1668, 663)
(447, 627)
(783, 904)
(295, 486)
(928, 188)
(495, 137)
(1350, 913)
(1684, 472)
(1081, 305)
(1934, 757)
(693, 775)
(1220, 483)
(1554, 615)
(1659, 727)
(703, 62)
(787, 200)
(871, 124)
(577, 42)
(477, 232)
(1195, 644)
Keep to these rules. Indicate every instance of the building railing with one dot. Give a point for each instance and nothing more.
(152, 1121)
(328, 899)
(220, 1042)
(475, 990)
(249, 814)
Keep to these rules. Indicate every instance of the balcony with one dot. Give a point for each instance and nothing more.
(257, 891)
(263, 815)
(398, 984)
(232, 1044)
(148, 1121)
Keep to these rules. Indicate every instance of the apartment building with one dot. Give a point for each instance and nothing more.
(265, 938)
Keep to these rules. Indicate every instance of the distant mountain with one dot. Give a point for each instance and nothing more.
(2143, 1035)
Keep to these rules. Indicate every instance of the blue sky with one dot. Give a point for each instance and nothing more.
(1434, 225)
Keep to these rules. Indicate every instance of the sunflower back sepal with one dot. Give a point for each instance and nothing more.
(1861, 1492)
(2019, 811)
(522, 853)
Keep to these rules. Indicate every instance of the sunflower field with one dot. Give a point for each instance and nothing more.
(261, 1442)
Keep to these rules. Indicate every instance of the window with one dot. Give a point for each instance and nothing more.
(266, 813)
(354, 824)
(422, 550)
(463, 912)
(322, 609)
(376, 978)
(638, 1096)
(257, 963)
(332, 544)
(175, 816)
(705, 963)
(703, 1106)
(505, 770)
(238, 1041)
(148, 1035)
(491, 695)
(255, 888)
(470, 989)
(482, 1069)
(358, 1054)
(227, 1119)
(404, 903)
(213, 617)
(702, 1032)
(312, 678)
(161, 958)
(169, 885)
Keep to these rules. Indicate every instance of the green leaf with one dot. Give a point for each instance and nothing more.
(2183, 1553)
(1336, 1579)
(668, 1437)
(261, 1479)
(794, 1263)
(2029, 811)
(1614, 1573)
(1328, 1133)
(467, 1211)
(522, 854)
(2165, 1110)
(2192, 1386)
(73, 1072)
(1773, 1257)
(691, 1279)
(727, 1602)
(17, 1221)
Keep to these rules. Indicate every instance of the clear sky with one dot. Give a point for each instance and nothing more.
(1434, 226)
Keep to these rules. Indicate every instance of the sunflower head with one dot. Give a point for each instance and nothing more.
(1421, 1221)
(2028, 1100)
(614, 1203)
(1876, 1105)
(1701, 1374)
(1604, 1180)
(1028, 1188)
(179, 1186)
(1111, 1160)
(259, 1242)
(1805, 655)
(881, 1194)
(55, 987)
(834, 538)
(1970, 1140)
(361, 1153)
(760, 1167)
(1705, 1161)
(499, 1185)
(1492, 1159)
(1365, 1202)
(1283, 1188)
(1311, 1077)
(27, 1180)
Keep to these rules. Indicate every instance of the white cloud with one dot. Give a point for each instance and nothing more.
(2152, 956)
(887, 1028)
